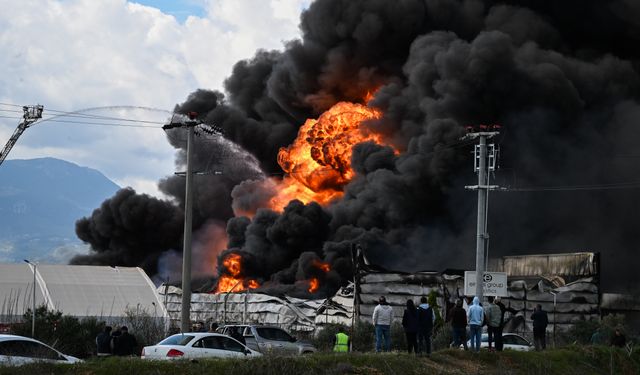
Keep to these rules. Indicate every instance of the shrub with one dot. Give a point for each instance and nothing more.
(442, 338)
(65, 333)
(326, 337)
(582, 331)
(147, 329)
(363, 337)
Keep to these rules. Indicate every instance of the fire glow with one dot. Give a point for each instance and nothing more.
(314, 284)
(317, 166)
(234, 282)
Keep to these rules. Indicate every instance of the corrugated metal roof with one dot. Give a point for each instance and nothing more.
(80, 290)
(570, 264)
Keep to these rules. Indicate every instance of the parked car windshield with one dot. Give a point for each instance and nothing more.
(178, 339)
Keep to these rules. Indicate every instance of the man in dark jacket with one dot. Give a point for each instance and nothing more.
(426, 318)
(103, 342)
(125, 344)
(618, 339)
(458, 318)
(540, 322)
(410, 325)
(236, 333)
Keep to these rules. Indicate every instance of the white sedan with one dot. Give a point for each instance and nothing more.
(19, 350)
(198, 345)
(511, 341)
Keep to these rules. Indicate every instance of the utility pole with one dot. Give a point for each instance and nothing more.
(484, 162)
(185, 310)
(185, 319)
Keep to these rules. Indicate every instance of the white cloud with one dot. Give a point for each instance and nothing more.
(74, 54)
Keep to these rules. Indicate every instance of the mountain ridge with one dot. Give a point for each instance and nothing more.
(40, 201)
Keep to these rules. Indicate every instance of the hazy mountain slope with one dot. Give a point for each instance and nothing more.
(40, 200)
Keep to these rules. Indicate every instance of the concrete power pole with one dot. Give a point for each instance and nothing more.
(484, 162)
(185, 317)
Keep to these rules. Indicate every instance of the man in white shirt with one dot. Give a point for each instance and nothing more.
(382, 317)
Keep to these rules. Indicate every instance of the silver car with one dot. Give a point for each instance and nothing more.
(268, 339)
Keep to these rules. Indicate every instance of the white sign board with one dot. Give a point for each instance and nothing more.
(494, 284)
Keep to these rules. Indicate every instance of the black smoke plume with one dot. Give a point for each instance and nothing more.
(561, 77)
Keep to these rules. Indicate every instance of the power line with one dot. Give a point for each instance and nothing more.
(103, 123)
(79, 114)
(61, 114)
(620, 185)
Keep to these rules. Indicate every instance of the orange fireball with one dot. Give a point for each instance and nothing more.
(318, 163)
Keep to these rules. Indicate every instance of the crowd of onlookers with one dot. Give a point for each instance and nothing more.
(467, 319)
(116, 342)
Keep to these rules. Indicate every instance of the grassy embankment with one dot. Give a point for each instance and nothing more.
(567, 361)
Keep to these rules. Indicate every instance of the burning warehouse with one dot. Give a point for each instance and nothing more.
(566, 285)
(351, 134)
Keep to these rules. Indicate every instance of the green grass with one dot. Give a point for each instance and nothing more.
(567, 361)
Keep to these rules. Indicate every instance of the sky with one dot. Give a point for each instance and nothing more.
(125, 60)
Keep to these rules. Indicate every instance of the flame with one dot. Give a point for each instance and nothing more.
(318, 162)
(233, 264)
(323, 266)
(253, 284)
(234, 282)
(314, 284)
(369, 95)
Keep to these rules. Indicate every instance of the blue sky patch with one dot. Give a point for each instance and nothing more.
(180, 9)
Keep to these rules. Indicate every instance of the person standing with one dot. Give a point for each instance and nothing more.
(540, 322)
(124, 344)
(475, 317)
(426, 320)
(458, 317)
(494, 315)
(382, 317)
(503, 310)
(342, 341)
(236, 333)
(410, 325)
(618, 339)
(596, 337)
(103, 342)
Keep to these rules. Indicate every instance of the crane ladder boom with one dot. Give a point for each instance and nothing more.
(31, 114)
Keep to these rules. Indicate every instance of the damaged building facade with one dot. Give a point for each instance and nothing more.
(566, 285)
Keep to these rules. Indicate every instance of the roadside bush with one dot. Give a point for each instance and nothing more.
(65, 333)
(147, 329)
(363, 337)
(442, 338)
(326, 337)
(582, 331)
(398, 337)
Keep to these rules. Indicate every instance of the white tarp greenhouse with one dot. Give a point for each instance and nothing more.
(103, 292)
